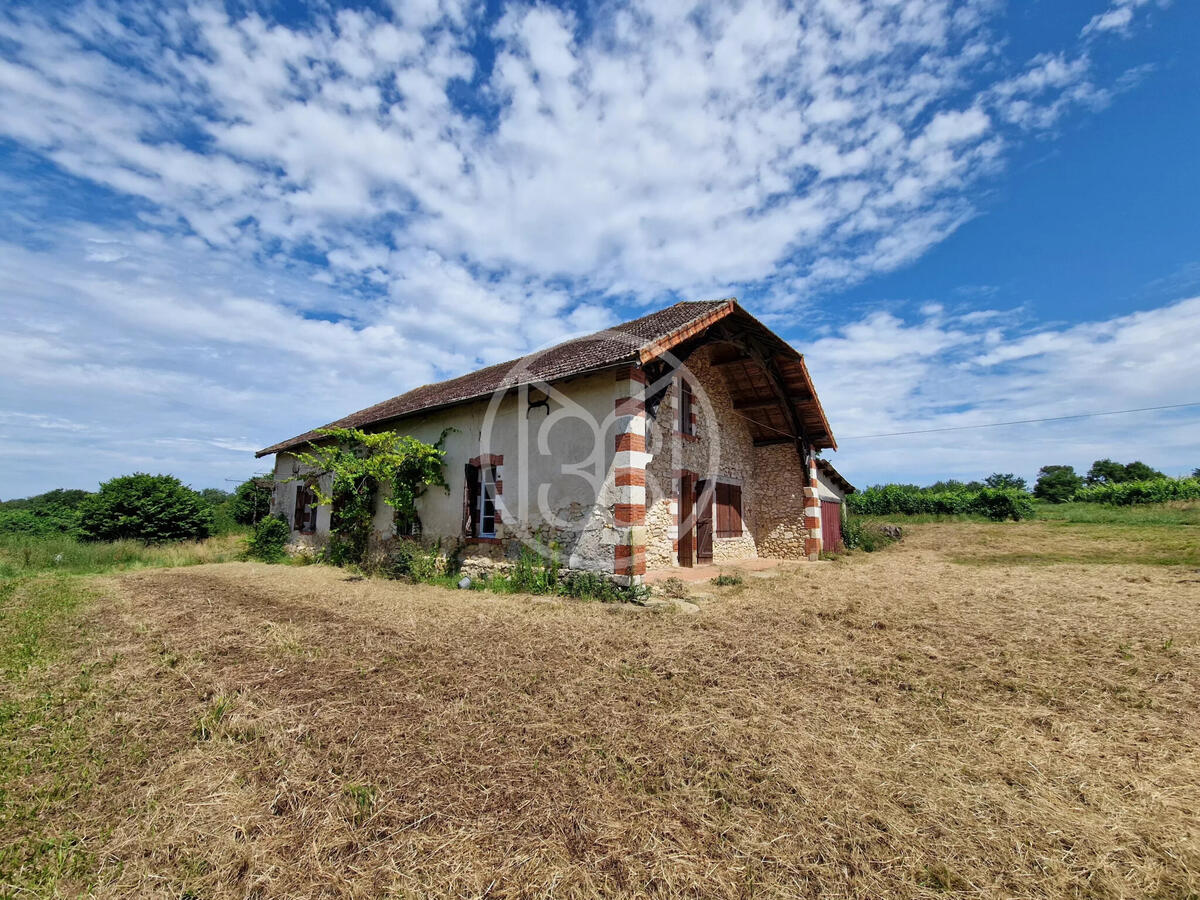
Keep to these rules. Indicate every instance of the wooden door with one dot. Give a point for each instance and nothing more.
(704, 521)
(687, 485)
(831, 525)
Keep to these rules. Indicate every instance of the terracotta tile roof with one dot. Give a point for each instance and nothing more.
(622, 344)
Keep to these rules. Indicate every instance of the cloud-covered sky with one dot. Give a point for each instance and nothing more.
(224, 224)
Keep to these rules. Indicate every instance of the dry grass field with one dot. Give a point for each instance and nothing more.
(978, 711)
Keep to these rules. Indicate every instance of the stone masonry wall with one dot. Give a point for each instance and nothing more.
(779, 486)
(722, 446)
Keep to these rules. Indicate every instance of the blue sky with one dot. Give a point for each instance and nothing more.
(224, 224)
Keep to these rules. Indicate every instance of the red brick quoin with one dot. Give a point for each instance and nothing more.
(629, 560)
(625, 514)
(627, 441)
(630, 477)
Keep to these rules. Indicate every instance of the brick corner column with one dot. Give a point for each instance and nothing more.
(629, 477)
(812, 513)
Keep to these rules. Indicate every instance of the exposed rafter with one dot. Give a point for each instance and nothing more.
(754, 350)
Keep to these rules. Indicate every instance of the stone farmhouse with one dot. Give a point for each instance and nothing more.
(684, 437)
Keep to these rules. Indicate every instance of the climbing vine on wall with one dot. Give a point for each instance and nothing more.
(362, 463)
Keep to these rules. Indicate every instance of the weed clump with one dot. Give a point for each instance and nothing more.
(861, 534)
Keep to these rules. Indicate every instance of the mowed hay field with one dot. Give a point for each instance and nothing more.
(962, 714)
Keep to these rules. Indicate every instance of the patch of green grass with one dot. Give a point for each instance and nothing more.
(1180, 512)
(210, 721)
(362, 799)
(22, 555)
(1185, 512)
(1079, 543)
(44, 758)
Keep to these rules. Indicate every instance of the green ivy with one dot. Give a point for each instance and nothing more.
(361, 463)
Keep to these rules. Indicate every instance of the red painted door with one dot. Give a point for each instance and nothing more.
(831, 525)
(704, 521)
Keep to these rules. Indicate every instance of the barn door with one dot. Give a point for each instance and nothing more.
(686, 545)
(831, 525)
(704, 521)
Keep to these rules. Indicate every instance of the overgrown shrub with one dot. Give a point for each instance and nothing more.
(25, 521)
(999, 504)
(533, 572)
(410, 559)
(54, 512)
(860, 534)
(1129, 493)
(598, 587)
(153, 509)
(268, 541)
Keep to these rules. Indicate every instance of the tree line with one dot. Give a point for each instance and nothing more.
(1004, 495)
(149, 508)
(1059, 484)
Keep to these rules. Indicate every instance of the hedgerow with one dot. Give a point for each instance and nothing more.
(903, 499)
(1129, 493)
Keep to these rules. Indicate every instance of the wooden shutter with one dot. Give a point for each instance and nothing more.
(298, 513)
(722, 499)
(685, 407)
(735, 510)
(472, 513)
(729, 510)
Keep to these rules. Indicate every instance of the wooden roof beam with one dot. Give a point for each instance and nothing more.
(736, 361)
(745, 405)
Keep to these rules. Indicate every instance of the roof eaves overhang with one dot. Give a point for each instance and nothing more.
(657, 348)
(304, 440)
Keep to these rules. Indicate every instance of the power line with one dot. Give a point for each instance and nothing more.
(1112, 412)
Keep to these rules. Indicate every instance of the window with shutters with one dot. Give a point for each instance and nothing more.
(687, 406)
(305, 514)
(481, 501)
(728, 501)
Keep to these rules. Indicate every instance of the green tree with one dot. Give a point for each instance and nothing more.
(150, 508)
(1196, 473)
(1057, 484)
(1139, 471)
(1006, 480)
(953, 485)
(214, 496)
(1105, 471)
(55, 511)
(252, 500)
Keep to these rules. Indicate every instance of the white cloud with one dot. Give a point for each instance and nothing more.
(461, 213)
(883, 374)
(1117, 18)
(667, 149)
(144, 339)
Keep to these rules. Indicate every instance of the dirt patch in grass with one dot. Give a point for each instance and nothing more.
(888, 725)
